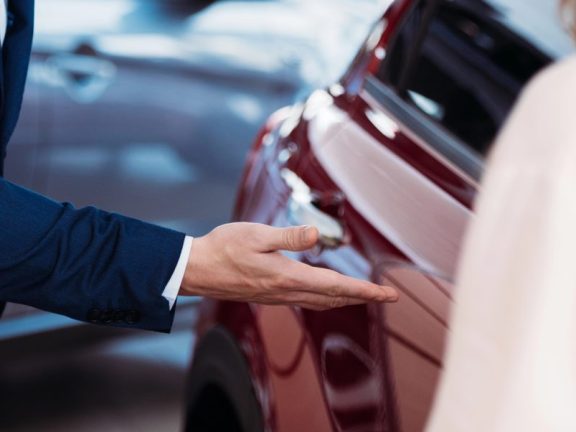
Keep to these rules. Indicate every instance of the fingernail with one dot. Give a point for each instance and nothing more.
(306, 233)
(393, 296)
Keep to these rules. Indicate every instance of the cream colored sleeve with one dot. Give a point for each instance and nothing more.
(511, 359)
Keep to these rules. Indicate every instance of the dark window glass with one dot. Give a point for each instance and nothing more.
(460, 64)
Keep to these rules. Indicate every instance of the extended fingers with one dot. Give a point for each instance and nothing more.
(335, 285)
(321, 302)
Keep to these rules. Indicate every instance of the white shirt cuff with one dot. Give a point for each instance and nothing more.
(173, 287)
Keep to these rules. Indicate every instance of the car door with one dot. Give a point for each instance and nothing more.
(156, 101)
(396, 211)
(404, 154)
(152, 115)
(118, 119)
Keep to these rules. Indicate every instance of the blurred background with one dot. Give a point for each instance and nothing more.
(148, 108)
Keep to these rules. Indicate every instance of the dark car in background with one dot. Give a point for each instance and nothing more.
(147, 107)
(386, 163)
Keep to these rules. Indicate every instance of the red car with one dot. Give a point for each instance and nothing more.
(386, 164)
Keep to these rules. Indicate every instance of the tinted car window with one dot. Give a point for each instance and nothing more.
(462, 63)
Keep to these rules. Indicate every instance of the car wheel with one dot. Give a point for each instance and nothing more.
(220, 392)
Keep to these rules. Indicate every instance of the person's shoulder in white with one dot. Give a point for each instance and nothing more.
(510, 358)
(561, 70)
(542, 127)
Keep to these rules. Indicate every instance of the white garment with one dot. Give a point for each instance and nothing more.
(511, 359)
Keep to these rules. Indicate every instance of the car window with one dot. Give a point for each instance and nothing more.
(462, 63)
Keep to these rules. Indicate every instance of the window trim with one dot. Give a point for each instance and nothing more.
(449, 146)
(414, 49)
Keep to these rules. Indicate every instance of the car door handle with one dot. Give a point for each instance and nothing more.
(302, 211)
(84, 77)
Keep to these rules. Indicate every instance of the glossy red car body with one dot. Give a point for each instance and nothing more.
(344, 160)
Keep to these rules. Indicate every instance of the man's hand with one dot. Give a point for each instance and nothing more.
(242, 262)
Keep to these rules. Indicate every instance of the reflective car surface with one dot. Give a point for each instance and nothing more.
(148, 107)
(385, 163)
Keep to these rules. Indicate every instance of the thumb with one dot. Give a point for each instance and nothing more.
(294, 239)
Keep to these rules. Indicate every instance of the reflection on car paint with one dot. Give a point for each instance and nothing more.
(361, 390)
(292, 370)
(401, 203)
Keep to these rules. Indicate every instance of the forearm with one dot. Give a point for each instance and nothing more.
(84, 263)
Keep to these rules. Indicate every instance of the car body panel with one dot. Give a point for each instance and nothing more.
(375, 163)
(363, 358)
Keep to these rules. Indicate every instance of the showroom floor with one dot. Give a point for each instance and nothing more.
(91, 378)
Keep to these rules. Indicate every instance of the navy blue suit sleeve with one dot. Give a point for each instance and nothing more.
(84, 263)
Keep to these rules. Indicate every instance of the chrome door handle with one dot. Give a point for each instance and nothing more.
(84, 77)
(302, 211)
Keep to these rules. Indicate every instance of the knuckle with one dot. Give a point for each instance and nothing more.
(280, 281)
(286, 280)
(334, 302)
(333, 280)
(292, 281)
(288, 238)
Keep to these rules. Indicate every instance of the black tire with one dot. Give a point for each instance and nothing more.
(220, 392)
